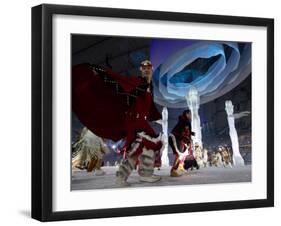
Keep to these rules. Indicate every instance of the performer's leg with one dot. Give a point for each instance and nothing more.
(173, 143)
(181, 167)
(98, 170)
(125, 169)
(176, 162)
(92, 164)
(145, 148)
(175, 172)
(99, 164)
(147, 158)
(127, 165)
(146, 166)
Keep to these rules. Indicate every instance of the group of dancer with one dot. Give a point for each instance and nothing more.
(115, 107)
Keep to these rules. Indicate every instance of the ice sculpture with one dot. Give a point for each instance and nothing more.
(164, 123)
(237, 158)
(193, 102)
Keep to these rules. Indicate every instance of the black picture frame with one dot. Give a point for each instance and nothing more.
(42, 107)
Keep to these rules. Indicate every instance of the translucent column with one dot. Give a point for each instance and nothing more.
(193, 102)
(237, 158)
(164, 123)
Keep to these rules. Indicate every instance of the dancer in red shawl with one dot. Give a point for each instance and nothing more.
(118, 107)
(181, 143)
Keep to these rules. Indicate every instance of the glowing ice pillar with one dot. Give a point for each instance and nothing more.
(164, 123)
(193, 102)
(237, 158)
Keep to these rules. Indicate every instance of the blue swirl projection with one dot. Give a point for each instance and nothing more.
(213, 68)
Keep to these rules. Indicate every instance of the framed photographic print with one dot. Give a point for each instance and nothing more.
(145, 112)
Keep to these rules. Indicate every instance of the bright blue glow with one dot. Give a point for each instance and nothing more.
(173, 77)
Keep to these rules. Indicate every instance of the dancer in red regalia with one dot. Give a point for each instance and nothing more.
(119, 107)
(180, 141)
